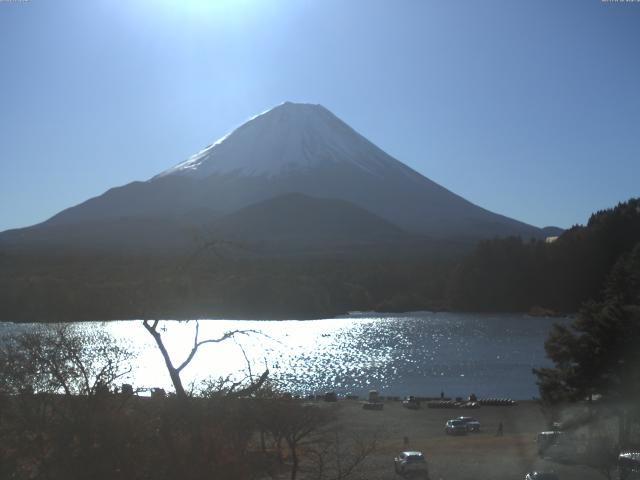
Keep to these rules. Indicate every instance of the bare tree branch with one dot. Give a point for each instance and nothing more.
(197, 344)
(174, 372)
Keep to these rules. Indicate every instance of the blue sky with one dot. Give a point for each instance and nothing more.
(527, 108)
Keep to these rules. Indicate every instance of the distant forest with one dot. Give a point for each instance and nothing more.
(510, 275)
(215, 284)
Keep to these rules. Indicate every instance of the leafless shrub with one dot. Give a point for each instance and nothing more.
(62, 359)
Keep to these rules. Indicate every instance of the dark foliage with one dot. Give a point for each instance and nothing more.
(62, 417)
(120, 437)
(513, 275)
(598, 353)
(217, 283)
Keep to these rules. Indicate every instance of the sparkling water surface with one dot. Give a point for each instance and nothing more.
(418, 353)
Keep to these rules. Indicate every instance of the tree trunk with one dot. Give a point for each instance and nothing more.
(294, 458)
(173, 371)
(623, 433)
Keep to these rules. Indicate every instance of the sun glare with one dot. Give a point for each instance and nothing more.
(198, 8)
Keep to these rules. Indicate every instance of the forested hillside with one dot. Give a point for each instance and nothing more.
(217, 283)
(227, 280)
(515, 275)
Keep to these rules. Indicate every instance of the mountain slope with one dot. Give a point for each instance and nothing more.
(298, 221)
(294, 148)
(124, 235)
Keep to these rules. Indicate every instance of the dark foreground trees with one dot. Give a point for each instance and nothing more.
(597, 366)
(56, 419)
(597, 355)
(128, 437)
(61, 417)
(312, 437)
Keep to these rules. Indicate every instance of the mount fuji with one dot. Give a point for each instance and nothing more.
(300, 153)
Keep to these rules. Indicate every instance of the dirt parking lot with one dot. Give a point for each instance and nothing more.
(482, 455)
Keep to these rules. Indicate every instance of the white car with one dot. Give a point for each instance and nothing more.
(410, 461)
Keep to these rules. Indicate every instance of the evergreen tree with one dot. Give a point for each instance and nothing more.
(599, 353)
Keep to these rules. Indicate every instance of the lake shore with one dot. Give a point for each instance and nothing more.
(531, 313)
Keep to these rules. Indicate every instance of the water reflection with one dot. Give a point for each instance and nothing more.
(418, 353)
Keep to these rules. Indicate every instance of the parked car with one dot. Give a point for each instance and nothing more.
(544, 440)
(472, 424)
(330, 397)
(410, 461)
(455, 427)
(541, 476)
(411, 403)
(629, 465)
(559, 446)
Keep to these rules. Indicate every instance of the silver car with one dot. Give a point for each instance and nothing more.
(455, 427)
(472, 424)
(541, 476)
(410, 461)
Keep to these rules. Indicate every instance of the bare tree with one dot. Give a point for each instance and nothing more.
(63, 359)
(337, 456)
(318, 446)
(175, 371)
(212, 246)
(293, 422)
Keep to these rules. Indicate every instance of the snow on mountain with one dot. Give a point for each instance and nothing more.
(285, 139)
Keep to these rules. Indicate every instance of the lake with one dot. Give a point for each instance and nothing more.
(419, 353)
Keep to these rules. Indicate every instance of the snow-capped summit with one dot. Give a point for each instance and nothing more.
(289, 137)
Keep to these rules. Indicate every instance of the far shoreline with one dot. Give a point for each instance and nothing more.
(300, 317)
